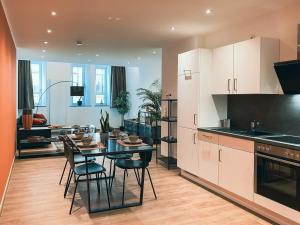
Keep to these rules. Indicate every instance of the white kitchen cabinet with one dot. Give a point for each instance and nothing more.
(188, 62)
(208, 168)
(187, 153)
(188, 94)
(252, 64)
(222, 70)
(236, 171)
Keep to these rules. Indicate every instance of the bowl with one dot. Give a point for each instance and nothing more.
(87, 140)
(79, 135)
(133, 138)
(116, 132)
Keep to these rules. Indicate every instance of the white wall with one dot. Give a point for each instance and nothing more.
(58, 108)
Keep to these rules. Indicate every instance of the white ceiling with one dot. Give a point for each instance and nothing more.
(143, 27)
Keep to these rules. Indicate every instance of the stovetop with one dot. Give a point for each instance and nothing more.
(285, 138)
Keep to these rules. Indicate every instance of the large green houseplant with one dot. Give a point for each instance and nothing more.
(151, 98)
(122, 104)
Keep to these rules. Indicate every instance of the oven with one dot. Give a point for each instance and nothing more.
(277, 174)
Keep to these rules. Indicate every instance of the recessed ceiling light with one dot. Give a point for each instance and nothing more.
(110, 18)
(172, 28)
(208, 11)
(154, 52)
(117, 18)
(43, 50)
(89, 60)
(79, 43)
(49, 31)
(79, 54)
(128, 62)
(45, 42)
(139, 58)
(97, 55)
(53, 13)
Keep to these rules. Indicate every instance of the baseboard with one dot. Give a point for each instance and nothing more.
(6, 186)
(252, 206)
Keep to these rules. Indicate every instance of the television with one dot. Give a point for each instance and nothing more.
(77, 91)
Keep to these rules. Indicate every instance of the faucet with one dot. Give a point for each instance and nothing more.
(253, 125)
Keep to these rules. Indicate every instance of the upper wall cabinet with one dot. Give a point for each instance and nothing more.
(246, 67)
(188, 62)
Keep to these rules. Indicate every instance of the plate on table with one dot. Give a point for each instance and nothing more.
(138, 141)
(90, 145)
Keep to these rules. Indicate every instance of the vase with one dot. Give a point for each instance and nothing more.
(27, 119)
(104, 138)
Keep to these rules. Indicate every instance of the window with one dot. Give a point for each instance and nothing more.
(78, 78)
(101, 82)
(38, 82)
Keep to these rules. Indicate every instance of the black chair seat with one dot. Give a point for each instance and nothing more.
(78, 158)
(92, 169)
(131, 164)
(121, 156)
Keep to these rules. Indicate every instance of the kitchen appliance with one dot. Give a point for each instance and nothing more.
(288, 72)
(278, 174)
(225, 123)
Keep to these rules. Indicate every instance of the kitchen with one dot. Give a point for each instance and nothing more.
(253, 159)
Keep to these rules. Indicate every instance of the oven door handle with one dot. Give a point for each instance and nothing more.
(277, 160)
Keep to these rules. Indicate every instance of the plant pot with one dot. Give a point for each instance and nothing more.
(104, 138)
(27, 119)
(79, 103)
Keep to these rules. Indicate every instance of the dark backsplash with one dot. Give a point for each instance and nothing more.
(276, 113)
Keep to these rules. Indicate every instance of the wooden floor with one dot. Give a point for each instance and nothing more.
(35, 198)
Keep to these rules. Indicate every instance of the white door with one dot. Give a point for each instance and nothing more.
(187, 154)
(222, 70)
(236, 171)
(247, 67)
(187, 105)
(188, 62)
(208, 168)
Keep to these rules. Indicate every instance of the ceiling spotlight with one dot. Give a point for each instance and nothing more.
(53, 13)
(49, 31)
(172, 28)
(208, 11)
(154, 52)
(45, 42)
(89, 60)
(79, 43)
(79, 54)
(128, 62)
(110, 18)
(139, 58)
(43, 50)
(97, 55)
(117, 18)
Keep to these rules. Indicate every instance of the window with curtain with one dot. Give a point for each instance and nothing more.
(78, 79)
(101, 85)
(38, 82)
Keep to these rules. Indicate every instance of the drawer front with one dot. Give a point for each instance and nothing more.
(208, 137)
(236, 143)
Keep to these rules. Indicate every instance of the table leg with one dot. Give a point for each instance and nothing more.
(88, 185)
(142, 186)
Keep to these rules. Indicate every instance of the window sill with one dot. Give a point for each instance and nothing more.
(40, 106)
(101, 105)
(80, 106)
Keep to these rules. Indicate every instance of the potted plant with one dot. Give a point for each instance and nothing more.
(122, 104)
(151, 100)
(105, 127)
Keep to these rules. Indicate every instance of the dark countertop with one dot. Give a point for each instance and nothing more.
(250, 136)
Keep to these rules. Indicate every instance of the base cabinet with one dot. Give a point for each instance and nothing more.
(208, 161)
(187, 154)
(236, 171)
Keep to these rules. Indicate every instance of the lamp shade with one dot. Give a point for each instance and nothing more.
(77, 91)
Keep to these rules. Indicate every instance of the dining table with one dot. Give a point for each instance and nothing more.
(112, 146)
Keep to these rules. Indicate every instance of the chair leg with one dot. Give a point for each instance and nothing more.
(151, 183)
(137, 178)
(68, 182)
(108, 200)
(123, 186)
(76, 181)
(110, 175)
(103, 160)
(97, 180)
(62, 175)
(113, 176)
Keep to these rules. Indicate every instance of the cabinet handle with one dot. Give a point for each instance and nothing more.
(195, 115)
(187, 72)
(228, 85)
(220, 150)
(235, 84)
(194, 138)
(207, 136)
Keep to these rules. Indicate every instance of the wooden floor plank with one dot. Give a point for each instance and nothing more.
(35, 198)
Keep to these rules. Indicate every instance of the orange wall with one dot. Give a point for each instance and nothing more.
(7, 100)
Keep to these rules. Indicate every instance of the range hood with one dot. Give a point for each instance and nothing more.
(289, 72)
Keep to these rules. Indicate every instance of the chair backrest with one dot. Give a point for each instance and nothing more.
(70, 153)
(64, 140)
(146, 157)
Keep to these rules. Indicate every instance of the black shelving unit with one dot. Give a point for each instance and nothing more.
(168, 160)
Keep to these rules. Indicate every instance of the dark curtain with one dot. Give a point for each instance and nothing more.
(25, 89)
(118, 82)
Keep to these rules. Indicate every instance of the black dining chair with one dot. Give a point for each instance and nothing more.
(91, 168)
(78, 158)
(135, 165)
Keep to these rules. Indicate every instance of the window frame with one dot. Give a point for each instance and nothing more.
(42, 83)
(106, 86)
(84, 84)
